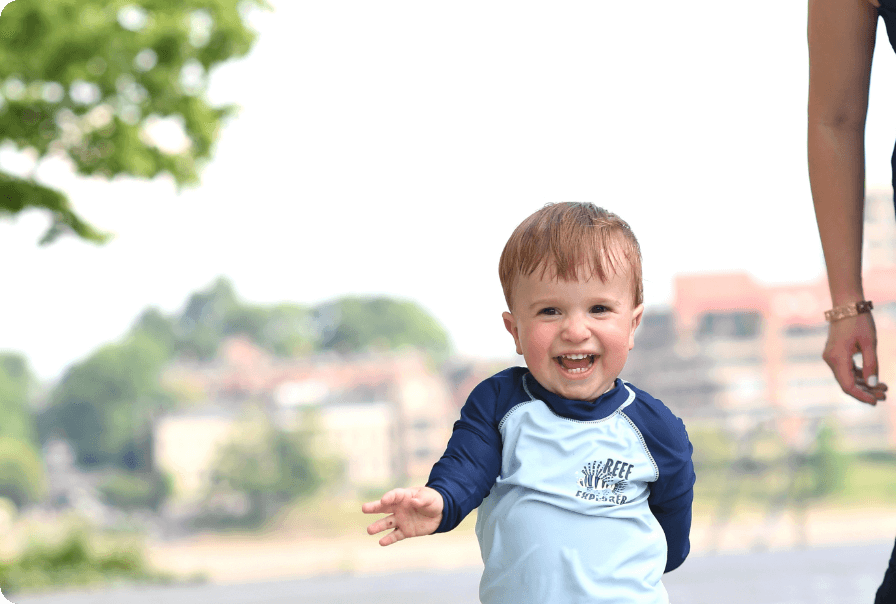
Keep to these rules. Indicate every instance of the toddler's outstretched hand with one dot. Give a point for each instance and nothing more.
(413, 512)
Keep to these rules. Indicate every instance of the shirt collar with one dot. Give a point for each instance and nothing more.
(602, 407)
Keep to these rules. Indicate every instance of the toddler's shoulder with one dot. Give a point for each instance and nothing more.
(495, 395)
(504, 382)
(655, 420)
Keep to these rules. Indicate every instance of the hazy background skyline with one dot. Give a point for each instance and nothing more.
(390, 149)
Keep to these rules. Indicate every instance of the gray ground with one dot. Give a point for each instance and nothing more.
(833, 575)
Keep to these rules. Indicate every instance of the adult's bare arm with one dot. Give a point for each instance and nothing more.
(841, 45)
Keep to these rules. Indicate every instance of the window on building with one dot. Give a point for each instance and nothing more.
(796, 331)
(810, 382)
(813, 356)
(742, 360)
(887, 309)
(737, 325)
(746, 387)
(657, 330)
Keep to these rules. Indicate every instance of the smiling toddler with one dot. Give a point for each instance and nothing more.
(584, 483)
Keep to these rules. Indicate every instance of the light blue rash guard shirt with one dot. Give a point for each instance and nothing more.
(580, 501)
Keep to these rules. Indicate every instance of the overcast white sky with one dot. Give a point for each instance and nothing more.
(391, 148)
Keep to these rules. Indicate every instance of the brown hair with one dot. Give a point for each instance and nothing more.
(565, 236)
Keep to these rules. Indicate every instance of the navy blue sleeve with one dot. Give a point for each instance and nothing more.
(467, 471)
(672, 495)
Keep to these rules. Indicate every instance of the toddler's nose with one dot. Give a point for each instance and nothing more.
(575, 329)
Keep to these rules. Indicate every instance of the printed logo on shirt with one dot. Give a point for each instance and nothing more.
(604, 481)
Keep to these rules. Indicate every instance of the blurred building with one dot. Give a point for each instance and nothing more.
(677, 372)
(736, 349)
(386, 415)
(879, 242)
(764, 343)
(186, 445)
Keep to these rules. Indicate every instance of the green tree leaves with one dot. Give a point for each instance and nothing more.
(270, 467)
(21, 472)
(827, 464)
(349, 324)
(353, 323)
(15, 394)
(116, 87)
(21, 469)
(104, 405)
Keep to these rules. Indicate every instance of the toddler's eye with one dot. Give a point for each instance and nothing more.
(599, 309)
(549, 311)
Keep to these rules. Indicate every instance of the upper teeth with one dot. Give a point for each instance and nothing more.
(575, 357)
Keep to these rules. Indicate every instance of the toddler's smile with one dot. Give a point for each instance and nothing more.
(575, 363)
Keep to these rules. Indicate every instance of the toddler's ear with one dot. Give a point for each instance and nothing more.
(637, 315)
(510, 326)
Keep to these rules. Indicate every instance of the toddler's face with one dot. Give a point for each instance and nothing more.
(574, 335)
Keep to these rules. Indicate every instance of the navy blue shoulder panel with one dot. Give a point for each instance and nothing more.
(672, 495)
(472, 461)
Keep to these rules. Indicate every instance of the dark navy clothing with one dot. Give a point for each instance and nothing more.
(598, 492)
(887, 12)
(886, 593)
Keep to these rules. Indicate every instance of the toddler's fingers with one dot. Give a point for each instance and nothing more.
(371, 507)
(381, 525)
(384, 505)
(393, 497)
(392, 537)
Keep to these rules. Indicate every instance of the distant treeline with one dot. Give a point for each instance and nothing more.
(104, 405)
(348, 324)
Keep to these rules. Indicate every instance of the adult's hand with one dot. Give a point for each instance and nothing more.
(849, 336)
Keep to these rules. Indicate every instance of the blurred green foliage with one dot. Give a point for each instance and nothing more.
(16, 385)
(270, 467)
(77, 558)
(105, 404)
(89, 80)
(827, 464)
(213, 314)
(22, 477)
(762, 471)
(712, 447)
(135, 490)
(353, 323)
(21, 470)
(346, 325)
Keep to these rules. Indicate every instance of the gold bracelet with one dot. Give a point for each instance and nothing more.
(847, 310)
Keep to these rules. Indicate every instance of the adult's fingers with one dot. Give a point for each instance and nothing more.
(857, 389)
(876, 388)
(868, 350)
(845, 374)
